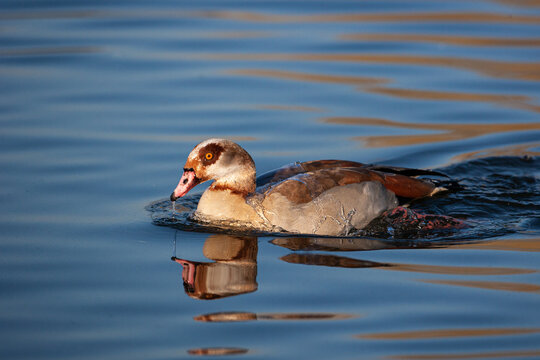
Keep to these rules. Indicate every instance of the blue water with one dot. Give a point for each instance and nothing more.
(100, 105)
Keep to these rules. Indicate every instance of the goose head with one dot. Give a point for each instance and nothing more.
(221, 160)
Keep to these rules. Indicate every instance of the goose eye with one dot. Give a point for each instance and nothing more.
(208, 156)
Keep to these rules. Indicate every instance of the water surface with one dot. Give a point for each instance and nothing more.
(100, 104)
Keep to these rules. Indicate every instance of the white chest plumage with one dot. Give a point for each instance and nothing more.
(335, 212)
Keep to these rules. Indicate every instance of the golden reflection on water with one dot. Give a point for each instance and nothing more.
(529, 71)
(372, 85)
(298, 76)
(476, 17)
(449, 131)
(521, 3)
(445, 39)
(490, 285)
(527, 245)
(515, 101)
(457, 270)
(526, 149)
(447, 333)
(475, 355)
(247, 316)
(244, 16)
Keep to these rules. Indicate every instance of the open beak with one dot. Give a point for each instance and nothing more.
(188, 181)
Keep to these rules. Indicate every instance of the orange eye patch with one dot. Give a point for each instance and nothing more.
(208, 156)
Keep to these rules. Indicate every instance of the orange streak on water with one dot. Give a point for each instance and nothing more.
(447, 333)
(298, 76)
(476, 17)
(445, 39)
(449, 132)
(477, 355)
(527, 245)
(529, 71)
(490, 285)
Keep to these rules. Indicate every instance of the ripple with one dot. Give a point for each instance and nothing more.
(472, 355)
(459, 17)
(291, 108)
(299, 76)
(528, 71)
(507, 100)
(370, 85)
(521, 150)
(449, 131)
(50, 51)
(448, 333)
(445, 39)
(526, 245)
(490, 285)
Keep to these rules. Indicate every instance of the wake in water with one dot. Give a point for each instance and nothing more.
(496, 196)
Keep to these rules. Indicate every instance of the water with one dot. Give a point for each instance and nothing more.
(101, 104)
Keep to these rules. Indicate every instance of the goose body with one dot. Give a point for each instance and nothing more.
(324, 197)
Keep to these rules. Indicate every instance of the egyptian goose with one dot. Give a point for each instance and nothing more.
(323, 197)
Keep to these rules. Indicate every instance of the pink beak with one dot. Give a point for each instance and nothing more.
(188, 271)
(188, 181)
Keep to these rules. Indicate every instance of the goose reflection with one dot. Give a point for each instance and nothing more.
(350, 244)
(306, 245)
(232, 272)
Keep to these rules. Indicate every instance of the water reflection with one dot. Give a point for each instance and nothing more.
(330, 260)
(445, 39)
(235, 35)
(233, 272)
(490, 285)
(218, 351)
(373, 85)
(302, 76)
(472, 355)
(336, 244)
(507, 100)
(447, 131)
(529, 71)
(245, 16)
(346, 262)
(447, 333)
(526, 149)
(476, 17)
(526, 245)
(45, 51)
(248, 316)
(291, 108)
(234, 268)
